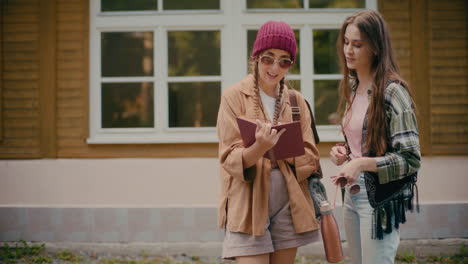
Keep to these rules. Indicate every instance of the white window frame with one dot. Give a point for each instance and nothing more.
(232, 20)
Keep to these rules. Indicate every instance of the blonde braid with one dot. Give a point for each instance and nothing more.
(278, 102)
(254, 69)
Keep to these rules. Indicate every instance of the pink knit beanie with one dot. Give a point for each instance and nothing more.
(275, 35)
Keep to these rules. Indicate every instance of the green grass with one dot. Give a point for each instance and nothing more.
(69, 257)
(24, 252)
(461, 257)
(32, 253)
(406, 257)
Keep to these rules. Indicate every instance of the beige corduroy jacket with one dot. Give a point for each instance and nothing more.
(243, 205)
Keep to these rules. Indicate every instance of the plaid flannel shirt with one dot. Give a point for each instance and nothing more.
(404, 157)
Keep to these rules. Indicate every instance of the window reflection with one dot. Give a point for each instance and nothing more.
(127, 54)
(127, 105)
(337, 3)
(125, 5)
(194, 53)
(325, 57)
(294, 84)
(194, 104)
(275, 4)
(190, 4)
(326, 102)
(252, 35)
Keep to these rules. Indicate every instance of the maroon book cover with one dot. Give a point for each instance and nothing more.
(289, 145)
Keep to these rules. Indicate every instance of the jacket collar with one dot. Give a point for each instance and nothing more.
(247, 85)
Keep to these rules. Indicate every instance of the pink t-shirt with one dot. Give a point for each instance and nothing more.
(353, 126)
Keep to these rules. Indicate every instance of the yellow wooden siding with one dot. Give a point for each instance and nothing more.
(1, 69)
(397, 15)
(20, 77)
(72, 100)
(448, 22)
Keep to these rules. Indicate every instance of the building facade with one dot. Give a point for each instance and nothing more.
(108, 109)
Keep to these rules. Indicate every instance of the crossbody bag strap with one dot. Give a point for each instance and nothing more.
(296, 113)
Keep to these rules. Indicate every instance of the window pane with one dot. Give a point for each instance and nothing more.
(126, 105)
(295, 84)
(275, 4)
(326, 101)
(252, 35)
(337, 3)
(190, 4)
(126, 54)
(126, 5)
(194, 104)
(325, 57)
(194, 53)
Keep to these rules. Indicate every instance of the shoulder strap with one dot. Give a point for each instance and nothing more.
(296, 113)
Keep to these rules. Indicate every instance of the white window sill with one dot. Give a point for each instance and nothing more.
(181, 135)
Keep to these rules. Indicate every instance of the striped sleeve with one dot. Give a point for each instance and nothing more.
(405, 157)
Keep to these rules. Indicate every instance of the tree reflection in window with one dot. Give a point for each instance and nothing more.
(275, 4)
(325, 57)
(194, 53)
(125, 5)
(126, 54)
(127, 105)
(326, 101)
(326, 65)
(300, 3)
(194, 104)
(337, 3)
(190, 4)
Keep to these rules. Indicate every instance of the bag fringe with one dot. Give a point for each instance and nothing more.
(394, 212)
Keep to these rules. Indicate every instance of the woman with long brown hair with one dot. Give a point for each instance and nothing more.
(381, 153)
(265, 207)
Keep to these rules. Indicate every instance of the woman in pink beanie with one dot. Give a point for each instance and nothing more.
(265, 206)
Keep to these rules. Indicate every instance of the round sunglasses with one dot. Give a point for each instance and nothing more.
(283, 63)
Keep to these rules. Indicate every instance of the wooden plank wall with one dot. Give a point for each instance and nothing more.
(20, 80)
(2, 15)
(431, 43)
(407, 25)
(448, 23)
(72, 80)
(397, 15)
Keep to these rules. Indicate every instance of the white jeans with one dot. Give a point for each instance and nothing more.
(358, 227)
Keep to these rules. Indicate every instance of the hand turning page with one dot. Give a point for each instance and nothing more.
(289, 145)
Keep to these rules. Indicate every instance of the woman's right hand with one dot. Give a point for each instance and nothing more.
(338, 155)
(265, 137)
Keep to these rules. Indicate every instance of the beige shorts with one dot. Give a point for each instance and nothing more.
(279, 232)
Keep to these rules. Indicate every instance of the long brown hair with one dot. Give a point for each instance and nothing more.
(384, 68)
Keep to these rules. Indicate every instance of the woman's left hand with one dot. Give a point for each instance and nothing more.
(351, 171)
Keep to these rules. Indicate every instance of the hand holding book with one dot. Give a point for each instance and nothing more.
(266, 136)
(290, 143)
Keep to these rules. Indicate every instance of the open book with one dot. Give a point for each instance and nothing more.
(289, 145)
